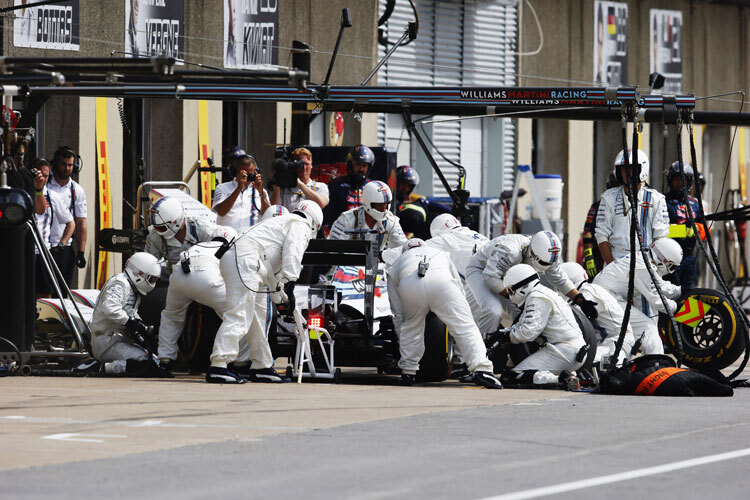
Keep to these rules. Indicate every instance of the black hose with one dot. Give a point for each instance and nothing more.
(631, 273)
(18, 352)
(713, 262)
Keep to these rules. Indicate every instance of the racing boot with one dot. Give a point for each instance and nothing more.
(486, 379)
(408, 379)
(89, 367)
(217, 375)
(266, 375)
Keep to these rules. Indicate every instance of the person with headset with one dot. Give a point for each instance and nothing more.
(346, 191)
(240, 203)
(54, 211)
(66, 163)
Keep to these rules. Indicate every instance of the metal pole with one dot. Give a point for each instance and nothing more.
(387, 56)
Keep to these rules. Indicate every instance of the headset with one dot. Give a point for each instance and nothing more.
(67, 152)
(241, 158)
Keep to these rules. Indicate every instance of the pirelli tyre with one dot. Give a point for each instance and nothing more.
(435, 365)
(717, 340)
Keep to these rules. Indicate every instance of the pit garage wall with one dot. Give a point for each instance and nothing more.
(171, 127)
(715, 60)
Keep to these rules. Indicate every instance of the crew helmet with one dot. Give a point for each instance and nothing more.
(442, 224)
(575, 272)
(167, 217)
(544, 250)
(641, 168)
(312, 212)
(359, 153)
(666, 254)
(518, 281)
(274, 211)
(376, 192)
(407, 175)
(143, 270)
(674, 171)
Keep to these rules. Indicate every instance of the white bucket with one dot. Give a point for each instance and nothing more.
(549, 188)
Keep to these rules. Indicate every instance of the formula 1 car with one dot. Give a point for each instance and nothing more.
(351, 306)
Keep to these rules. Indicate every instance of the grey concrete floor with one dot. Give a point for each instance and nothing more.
(361, 441)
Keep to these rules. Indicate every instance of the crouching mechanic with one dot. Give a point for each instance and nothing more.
(423, 279)
(268, 254)
(116, 330)
(487, 268)
(666, 255)
(611, 315)
(372, 221)
(547, 317)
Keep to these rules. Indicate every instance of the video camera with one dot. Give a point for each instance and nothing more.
(286, 168)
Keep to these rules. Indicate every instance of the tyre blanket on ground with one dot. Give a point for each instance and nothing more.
(658, 375)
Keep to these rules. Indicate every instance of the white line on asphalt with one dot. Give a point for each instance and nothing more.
(83, 438)
(143, 423)
(621, 476)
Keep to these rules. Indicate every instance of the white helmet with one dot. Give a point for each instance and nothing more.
(312, 212)
(518, 281)
(274, 211)
(443, 223)
(167, 217)
(143, 270)
(642, 163)
(412, 243)
(575, 272)
(666, 253)
(543, 250)
(376, 192)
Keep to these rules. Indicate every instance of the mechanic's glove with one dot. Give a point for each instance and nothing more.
(590, 263)
(286, 308)
(499, 337)
(80, 260)
(587, 306)
(137, 326)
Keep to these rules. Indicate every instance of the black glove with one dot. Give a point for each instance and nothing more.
(137, 326)
(499, 337)
(80, 260)
(587, 306)
(286, 308)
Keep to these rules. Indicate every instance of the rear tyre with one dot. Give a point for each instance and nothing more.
(435, 365)
(718, 340)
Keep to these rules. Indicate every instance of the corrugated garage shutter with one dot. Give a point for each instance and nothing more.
(460, 43)
(491, 39)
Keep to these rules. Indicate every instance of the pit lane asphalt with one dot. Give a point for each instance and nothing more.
(119, 438)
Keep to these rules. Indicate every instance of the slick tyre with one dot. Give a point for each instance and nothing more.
(435, 365)
(717, 340)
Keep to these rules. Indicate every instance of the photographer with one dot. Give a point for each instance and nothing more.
(240, 203)
(290, 187)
